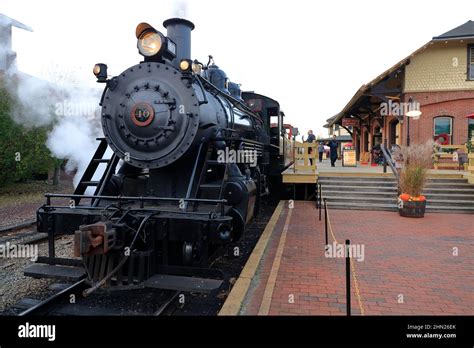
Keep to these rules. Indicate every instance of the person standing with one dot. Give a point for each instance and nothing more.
(333, 146)
(310, 140)
(321, 151)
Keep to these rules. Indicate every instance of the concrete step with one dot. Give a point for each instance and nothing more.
(441, 190)
(389, 179)
(454, 181)
(450, 203)
(392, 207)
(363, 206)
(461, 199)
(449, 209)
(356, 178)
(452, 195)
(449, 185)
(360, 183)
(361, 199)
(449, 197)
(359, 188)
(345, 193)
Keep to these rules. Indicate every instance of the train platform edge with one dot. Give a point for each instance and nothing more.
(233, 303)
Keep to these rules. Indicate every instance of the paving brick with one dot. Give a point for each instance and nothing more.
(411, 257)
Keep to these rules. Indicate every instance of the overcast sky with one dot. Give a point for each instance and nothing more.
(310, 55)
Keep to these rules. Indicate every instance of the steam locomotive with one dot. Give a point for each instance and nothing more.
(193, 156)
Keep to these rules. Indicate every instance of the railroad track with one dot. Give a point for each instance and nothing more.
(161, 303)
(24, 233)
(43, 306)
(167, 304)
(17, 227)
(57, 304)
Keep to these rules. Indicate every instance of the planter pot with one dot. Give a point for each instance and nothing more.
(415, 209)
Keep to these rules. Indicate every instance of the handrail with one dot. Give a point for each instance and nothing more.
(389, 160)
(138, 198)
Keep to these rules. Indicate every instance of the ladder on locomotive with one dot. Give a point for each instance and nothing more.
(209, 186)
(87, 179)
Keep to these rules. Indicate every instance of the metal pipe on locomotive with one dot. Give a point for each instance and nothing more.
(166, 200)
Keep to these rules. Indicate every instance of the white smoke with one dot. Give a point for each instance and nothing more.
(72, 138)
(35, 99)
(180, 9)
(59, 101)
(76, 129)
(70, 108)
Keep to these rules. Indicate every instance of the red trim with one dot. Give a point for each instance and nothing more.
(150, 118)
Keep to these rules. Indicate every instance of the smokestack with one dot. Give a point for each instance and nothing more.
(179, 30)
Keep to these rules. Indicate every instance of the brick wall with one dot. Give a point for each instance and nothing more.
(457, 104)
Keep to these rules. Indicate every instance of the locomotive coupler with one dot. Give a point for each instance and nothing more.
(95, 239)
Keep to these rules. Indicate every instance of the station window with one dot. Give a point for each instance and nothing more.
(470, 62)
(443, 127)
(470, 129)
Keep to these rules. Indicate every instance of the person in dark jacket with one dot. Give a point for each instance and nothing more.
(321, 151)
(311, 139)
(333, 146)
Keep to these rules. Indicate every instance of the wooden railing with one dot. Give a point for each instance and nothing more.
(445, 157)
(301, 156)
(470, 168)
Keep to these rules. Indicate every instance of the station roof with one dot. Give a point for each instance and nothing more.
(7, 21)
(462, 32)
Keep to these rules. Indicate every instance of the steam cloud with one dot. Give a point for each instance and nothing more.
(72, 110)
(180, 9)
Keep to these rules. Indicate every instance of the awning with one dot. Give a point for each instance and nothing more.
(470, 116)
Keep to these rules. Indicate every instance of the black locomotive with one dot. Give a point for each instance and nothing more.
(192, 158)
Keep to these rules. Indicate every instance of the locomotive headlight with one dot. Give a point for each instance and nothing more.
(100, 71)
(96, 69)
(186, 65)
(197, 68)
(153, 45)
(149, 43)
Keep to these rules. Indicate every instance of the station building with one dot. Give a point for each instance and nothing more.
(437, 78)
(7, 55)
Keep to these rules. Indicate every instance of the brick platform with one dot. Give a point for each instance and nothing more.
(405, 259)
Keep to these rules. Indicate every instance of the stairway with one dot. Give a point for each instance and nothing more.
(362, 193)
(449, 195)
(380, 193)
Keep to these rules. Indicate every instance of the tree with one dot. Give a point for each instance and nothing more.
(23, 152)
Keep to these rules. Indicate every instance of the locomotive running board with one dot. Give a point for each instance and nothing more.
(189, 284)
